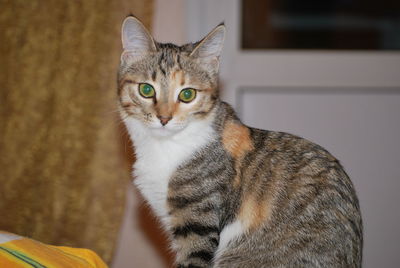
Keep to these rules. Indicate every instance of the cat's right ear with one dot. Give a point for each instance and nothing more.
(136, 40)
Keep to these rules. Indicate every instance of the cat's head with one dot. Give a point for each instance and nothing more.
(166, 87)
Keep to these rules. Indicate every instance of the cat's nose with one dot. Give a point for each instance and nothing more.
(164, 119)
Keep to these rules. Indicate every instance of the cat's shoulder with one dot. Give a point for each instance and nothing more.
(239, 139)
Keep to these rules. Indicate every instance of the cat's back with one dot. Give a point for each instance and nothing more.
(298, 207)
(297, 164)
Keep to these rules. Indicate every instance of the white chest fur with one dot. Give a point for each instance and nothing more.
(157, 158)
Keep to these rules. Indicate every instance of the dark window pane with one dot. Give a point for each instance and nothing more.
(316, 24)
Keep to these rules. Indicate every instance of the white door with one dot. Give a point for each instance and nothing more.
(348, 102)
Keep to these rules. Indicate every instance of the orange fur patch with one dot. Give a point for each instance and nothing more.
(164, 109)
(253, 213)
(236, 139)
(176, 78)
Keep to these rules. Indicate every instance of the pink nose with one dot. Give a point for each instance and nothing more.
(164, 119)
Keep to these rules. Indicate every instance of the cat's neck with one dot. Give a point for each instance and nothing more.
(157, 158)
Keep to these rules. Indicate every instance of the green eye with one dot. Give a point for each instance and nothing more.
(187, 95)
(146, 90)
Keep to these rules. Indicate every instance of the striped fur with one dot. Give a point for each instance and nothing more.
(230, 195)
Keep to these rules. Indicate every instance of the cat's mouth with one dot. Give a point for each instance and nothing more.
(162, 132)
(159, 130)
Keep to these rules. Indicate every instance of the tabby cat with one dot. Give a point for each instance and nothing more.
(228, 195)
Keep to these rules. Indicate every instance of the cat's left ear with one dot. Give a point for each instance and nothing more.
(209, 49)
(136, 40)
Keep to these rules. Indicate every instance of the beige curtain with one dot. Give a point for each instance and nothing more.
(63, 168)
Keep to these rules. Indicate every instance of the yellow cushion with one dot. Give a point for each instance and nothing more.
(17, 251)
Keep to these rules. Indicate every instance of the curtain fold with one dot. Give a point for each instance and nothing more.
(63, 170)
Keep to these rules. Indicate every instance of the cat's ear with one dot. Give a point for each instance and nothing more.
(209, 48)
(136, 40)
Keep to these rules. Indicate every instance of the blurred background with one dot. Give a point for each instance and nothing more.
(328, 71)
